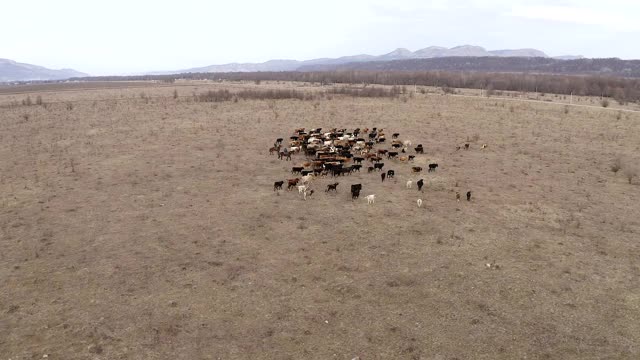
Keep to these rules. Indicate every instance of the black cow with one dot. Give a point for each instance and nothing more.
(358, 160)
(396, 145)
(278, 185)
(378, 166)
(355, 194)
(395, 135)
(466, 146)
(383, 176)
(419, 150)
(372, 135)
(432, 167)
(468, 195)
(333, 187)
(416, 169)
(306, 172)
(296, 169)
(391, 174)
(392, 154)
(420, 183)
(411, 157)
(346, 171)
(356, 168)
(279, 140)
(370, 169)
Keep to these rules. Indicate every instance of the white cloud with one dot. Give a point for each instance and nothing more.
(607, 18)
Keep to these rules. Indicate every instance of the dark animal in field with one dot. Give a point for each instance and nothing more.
(420, 183)
(372, 135)
(468, 195)
(395, 135)
(432, 167)
(291, 183)
(356, 167)
(396, 146)
(416, 169)
(274, 149)
(392, 154)
(457, 147)
(356, 187)
(378, 166)
(336, 172)
(357, 160)
(279, 140)
(382, 151)
(370, 169)
(346, 171)
(411, 157)
(419, 150)
(278, 185)
(355, 194)
(355, 190)
(391, 174)
(333, 187)
(376, 159)
(457, 196)
(305, 172)
(381, 139)
(383, 176)
(296, 169)
(466, 146)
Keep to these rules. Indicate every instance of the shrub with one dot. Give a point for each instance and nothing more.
(604, 103)
(617, 164)
(175, 93)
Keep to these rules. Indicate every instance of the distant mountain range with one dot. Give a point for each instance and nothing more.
(398, 54)
(14, 71)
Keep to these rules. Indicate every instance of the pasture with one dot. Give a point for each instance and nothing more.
(136, 225)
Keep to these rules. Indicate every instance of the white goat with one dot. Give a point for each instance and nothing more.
(302, 188)
(409, 183)
(419, 203)
(370, 198)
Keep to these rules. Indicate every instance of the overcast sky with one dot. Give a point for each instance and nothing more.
(118, 36)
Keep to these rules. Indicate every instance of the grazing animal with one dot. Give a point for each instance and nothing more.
(392, 154)
(419, 149)
(356, 167)
(411, 157)
(409, 183)
(355, 194)
(419, 203)
(378, 166)
(302, 188)
(406, 143)
(468, 195)
(432, 167)
(333, 187)
(466, 146)
(395, 135)
(457, 148)
(420, 183)
(307, 193)
(292, 182)
(396, 146)
(391, 174)
(307, 178)
(370, 169)
(416, 169)
(403, 158)
(278, 185)
(371, 199)
(383, 176)
(306, 172)
(358, 160)
(484, 146)
(279, 140)
(274, 149)
(457, 196)
(296, 169)
(382, 151)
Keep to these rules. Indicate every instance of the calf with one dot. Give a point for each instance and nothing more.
(411, 157)
(466, 146)
(409, 183)
(392, 154)
(391, 174)
(292, 182)
(296, 169)
(419, 150)
(279, 140)
(468, 195)
(395, 135)
(356, 167)
(420, 183)
(302, 188)
(370, 169)
(333, 187)
(307, 193)
(278, 185)
(378, 166)
(371, 199)
(432, 167)
(416, 169)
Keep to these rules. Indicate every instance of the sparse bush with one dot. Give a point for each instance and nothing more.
(39, 100)
(69, 106)
(604, 103)
(630, 173)
(619, 115)
(566, 109)
(175, 93)
(617, 164)
(257, 81)
(27, 101)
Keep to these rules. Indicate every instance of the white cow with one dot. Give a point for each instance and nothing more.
(370, 198)
(409, 183)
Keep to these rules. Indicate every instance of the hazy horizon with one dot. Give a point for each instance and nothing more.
(124, 37)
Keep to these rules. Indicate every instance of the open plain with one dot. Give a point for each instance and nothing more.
(139, 223)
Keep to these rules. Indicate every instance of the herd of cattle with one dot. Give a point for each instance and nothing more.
(338, 152)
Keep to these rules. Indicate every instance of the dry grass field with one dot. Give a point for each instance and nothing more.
(138, 226)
